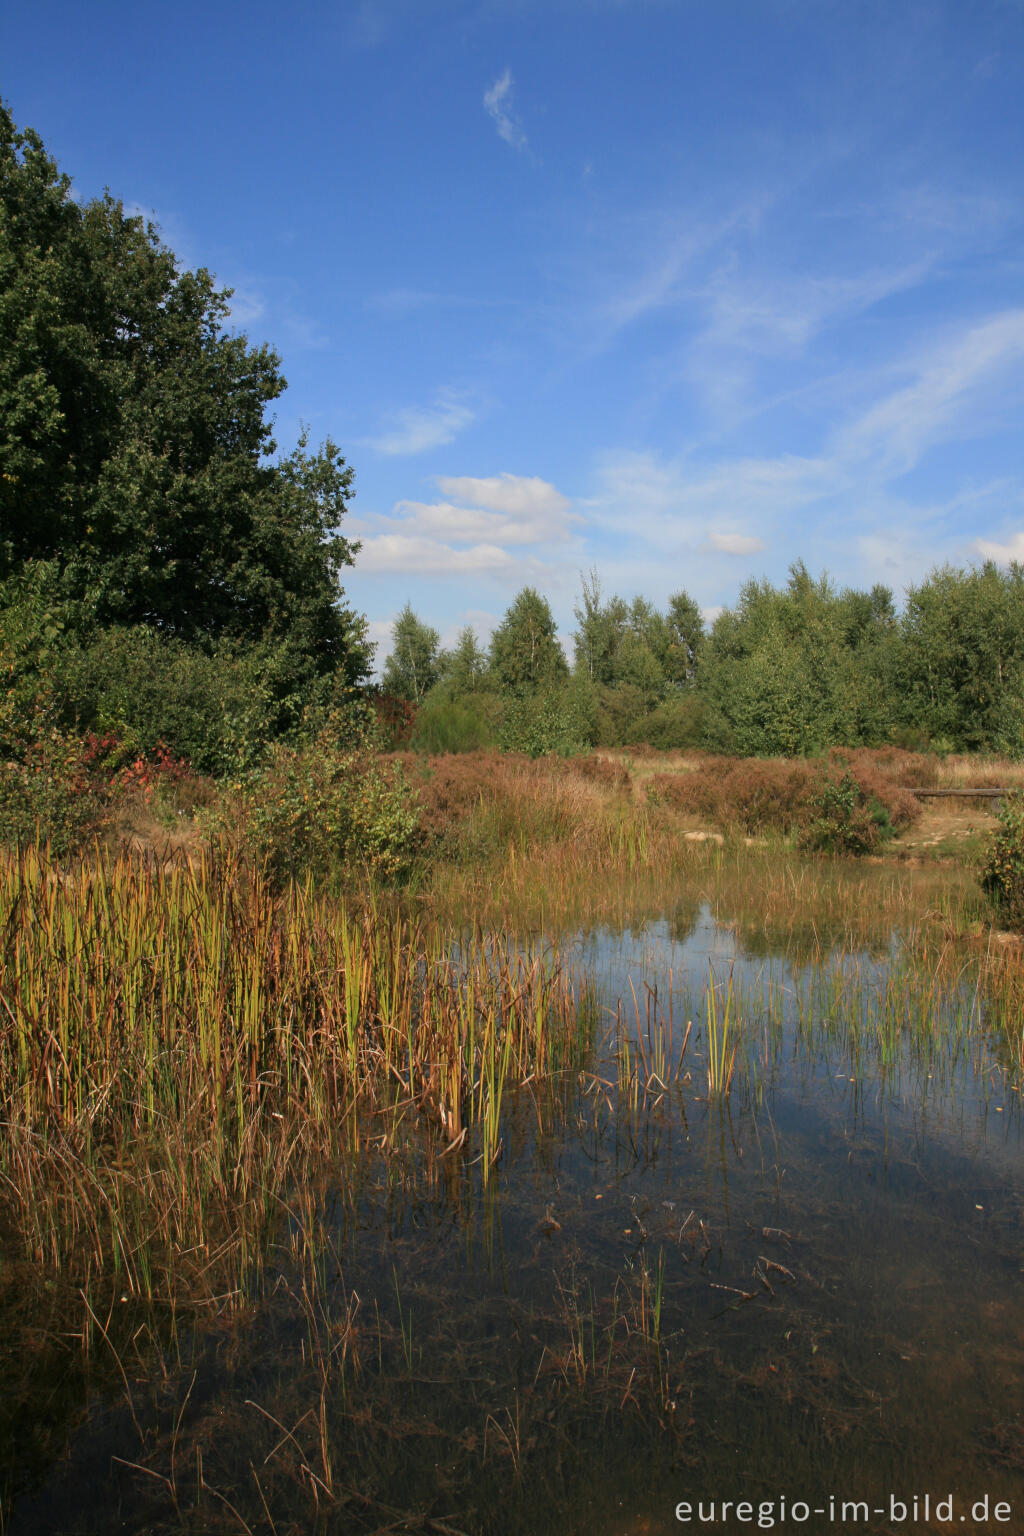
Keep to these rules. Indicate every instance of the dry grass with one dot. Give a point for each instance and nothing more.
(978, 772)
(781, 795)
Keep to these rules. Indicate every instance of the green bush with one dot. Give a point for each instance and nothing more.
(846, 819)
(217, 710)
(456, 725)
(553, 720)
(1002, 874)
(48, 794)
(324, 810)
(676, 725)
(33, 628)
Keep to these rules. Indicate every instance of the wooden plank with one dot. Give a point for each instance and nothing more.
(973, 794)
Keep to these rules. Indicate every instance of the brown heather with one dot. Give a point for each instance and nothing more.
(754, 795)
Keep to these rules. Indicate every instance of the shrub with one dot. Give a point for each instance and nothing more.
(396, 721)
(847, 819)
(216, 710)
(49, 794)
(676, 725)
(322, 810)
(794, 797)
(549, 721)
(454, 725)
(1002, 874)
(749, 795)
(618, 712)
(893, 766)
(474, 804)
(33, 628)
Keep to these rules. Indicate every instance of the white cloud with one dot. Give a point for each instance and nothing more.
(442, 538)
(736, 543)
(481, 620)
(378, 632)
(430, 557)
(420, 428)
(517, 495)
(440, 519)
(498, 104)
(1002, 554)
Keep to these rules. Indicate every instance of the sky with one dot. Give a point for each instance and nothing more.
(677, 291)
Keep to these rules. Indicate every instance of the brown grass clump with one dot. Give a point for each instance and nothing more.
(963, 772)
(743, 794)
(606, 771)
(880, 775)
(783, 795)
(472, 803)
(891, 765)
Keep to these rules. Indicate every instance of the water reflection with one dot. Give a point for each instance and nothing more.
(807, 1285)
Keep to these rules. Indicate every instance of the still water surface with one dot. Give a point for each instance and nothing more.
(807, 1288)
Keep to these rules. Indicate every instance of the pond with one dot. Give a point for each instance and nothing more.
(762, 1272)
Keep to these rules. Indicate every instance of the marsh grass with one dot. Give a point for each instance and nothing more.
(719, 1028)
(180, 1043)
(206, 1075)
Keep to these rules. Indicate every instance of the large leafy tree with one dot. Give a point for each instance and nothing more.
(795, 669)
(136, 454)
(962, 658)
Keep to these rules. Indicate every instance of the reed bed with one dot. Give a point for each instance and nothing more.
(126, 988)
(173, 1038)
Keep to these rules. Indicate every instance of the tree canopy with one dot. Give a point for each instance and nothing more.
(412, 668)
(525, 653)
(136, 454)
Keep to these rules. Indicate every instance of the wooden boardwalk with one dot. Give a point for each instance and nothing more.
(973, 794)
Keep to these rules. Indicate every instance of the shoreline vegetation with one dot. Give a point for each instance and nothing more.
(203, 1054)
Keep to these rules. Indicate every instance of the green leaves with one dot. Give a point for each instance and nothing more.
(134, 443)
(525, 654)
(1002, 874)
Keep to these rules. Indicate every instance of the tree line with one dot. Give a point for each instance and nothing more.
(788, 670)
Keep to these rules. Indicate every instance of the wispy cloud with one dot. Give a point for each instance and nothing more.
(246, 305)
(736, 543)
(896, 431)
(420, 428)
(674, 504)
(851, 499)
(1003, 554)
(770, 316)
(498, 105)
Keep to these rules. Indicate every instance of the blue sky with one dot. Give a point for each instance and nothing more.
(680, 290)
